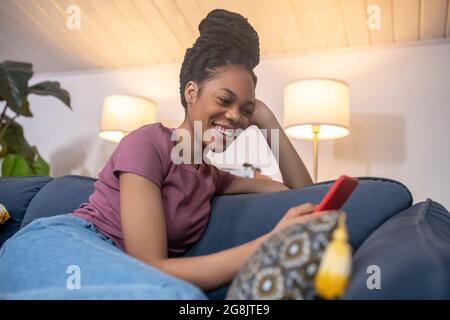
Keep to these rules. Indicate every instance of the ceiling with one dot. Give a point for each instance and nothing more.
(125, 33)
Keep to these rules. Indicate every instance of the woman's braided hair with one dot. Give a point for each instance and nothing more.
(226, 38)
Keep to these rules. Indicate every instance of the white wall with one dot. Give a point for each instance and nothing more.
(399, 124)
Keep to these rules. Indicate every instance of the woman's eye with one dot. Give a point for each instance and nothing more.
(224, 102)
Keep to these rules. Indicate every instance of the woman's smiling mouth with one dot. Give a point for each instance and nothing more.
(224, 131)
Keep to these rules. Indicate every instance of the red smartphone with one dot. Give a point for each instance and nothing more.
(339, 192)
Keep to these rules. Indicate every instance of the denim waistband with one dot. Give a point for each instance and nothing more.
(71, 219)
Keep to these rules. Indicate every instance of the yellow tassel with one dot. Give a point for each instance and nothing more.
(4, 214)
(335, 268)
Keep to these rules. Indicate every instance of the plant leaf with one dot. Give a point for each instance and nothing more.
(14, 78)
(15, 165)
(51, 88)
(13, 141)
(40, 166)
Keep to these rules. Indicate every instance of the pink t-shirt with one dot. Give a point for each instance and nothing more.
(186, 191)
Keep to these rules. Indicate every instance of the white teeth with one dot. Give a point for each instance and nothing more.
(227, 132)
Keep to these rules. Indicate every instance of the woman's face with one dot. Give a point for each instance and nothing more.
(224, 104)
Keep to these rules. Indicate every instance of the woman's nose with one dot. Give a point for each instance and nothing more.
(233, 114)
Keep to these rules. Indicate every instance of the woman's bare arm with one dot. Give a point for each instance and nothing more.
(293, 170)
(251, 185)
(145, 237)
(214, 270)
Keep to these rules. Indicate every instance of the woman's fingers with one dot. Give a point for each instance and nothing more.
(304, 218)
(298, 214)
(302, 209)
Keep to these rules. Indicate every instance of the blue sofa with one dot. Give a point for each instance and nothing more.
(409, 244)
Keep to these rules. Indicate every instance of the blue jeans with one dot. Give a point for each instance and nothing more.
(66, 257)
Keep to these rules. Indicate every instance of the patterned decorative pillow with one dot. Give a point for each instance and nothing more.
(4, 214)
(284, 266)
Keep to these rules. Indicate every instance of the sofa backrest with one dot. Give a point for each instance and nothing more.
(30, 197)
(16, 194)
(234, 219)
(61, 195)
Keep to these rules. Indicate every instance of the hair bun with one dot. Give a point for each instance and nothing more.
(230, 30)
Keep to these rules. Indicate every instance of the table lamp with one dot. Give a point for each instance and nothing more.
(316, 109)
(122, 114)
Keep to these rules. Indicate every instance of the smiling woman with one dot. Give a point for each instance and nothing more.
(217, 82)
(147, 211)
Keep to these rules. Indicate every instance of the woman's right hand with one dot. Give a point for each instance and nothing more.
(298, 214)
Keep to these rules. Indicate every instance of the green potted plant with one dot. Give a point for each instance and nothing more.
(17, 157)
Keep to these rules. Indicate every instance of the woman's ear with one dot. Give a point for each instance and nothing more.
(190, 92)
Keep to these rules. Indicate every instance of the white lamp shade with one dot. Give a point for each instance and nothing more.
(323, 102)
(122, 114)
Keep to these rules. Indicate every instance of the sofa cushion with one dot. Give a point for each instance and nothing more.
(408, 257)
(238, 219)
(62, 195)
(16, 194)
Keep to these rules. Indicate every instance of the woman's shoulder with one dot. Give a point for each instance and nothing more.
(142, 148)
(155, 129)
(155, 133)
(148, 138)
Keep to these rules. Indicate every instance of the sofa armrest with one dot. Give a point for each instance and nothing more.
(408, 257)
(16, 193)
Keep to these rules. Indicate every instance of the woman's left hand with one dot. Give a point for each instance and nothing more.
(262, 116)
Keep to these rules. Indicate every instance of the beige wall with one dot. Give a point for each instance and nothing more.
(399, 124)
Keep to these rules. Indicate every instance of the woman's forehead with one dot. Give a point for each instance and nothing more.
(237, 80)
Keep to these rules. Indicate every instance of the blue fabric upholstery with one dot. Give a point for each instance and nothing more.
(62, 195)
(412, 251)
(240, 218)
(16, 194)
(234, 219)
